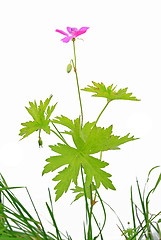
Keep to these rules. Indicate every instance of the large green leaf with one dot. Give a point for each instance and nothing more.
(92, 139)
(40, 115)
(88, 140)
(74, 158)
(100, 90)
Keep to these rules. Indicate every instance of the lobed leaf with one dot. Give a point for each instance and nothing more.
(88, 140)
(80, 191)
(100, 90)
(74, 158)
(115, 141)
(64, 121)
(40, 115)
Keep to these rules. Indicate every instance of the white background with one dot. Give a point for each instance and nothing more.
(123, 47)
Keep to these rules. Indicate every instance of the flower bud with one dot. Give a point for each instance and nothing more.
(69, 68)
(40, 142)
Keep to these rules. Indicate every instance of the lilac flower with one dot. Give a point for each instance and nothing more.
(73, 33)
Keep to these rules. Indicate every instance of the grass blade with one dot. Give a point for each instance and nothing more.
(54, 222)
(133, 213)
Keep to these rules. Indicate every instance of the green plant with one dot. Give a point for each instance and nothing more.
(88, 138)
(144, 223)
(83, 155)
(16, 222)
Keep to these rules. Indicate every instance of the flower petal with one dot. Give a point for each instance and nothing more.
(81, 31)
(62, 32)
(66, 39)
(71, 30)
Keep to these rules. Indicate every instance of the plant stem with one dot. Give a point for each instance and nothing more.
(75, 70)
(90, 216)
(88, 211)
(58, 134)
(101, 112)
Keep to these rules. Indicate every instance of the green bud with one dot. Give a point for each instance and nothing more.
(40, 142)
(69, 68)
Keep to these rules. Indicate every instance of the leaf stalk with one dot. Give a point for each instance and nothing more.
(101, 112)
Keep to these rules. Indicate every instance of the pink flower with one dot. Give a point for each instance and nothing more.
(73, 33)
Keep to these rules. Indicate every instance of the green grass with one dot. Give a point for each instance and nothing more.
(16, 222)
(144, 223)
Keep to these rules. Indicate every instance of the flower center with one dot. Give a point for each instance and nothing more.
(73, 30)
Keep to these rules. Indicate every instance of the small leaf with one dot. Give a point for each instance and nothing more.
(80, 191)
(64, 121)
(109, 92)
(40, 115)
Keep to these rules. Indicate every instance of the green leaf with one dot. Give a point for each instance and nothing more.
(80, 191)
(88, 140)
(100, 90)
(97, 139)
(40, 115)
(93, 139)
(65, 122)
(115, 141)
(29, 128)
(74, 158)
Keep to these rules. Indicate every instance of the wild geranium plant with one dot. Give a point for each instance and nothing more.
(82, 155)
(89, 138)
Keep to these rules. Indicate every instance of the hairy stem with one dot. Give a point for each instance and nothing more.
(75, 70)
